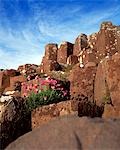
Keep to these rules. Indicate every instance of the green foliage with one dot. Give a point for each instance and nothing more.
(44, 97)
(106, 99)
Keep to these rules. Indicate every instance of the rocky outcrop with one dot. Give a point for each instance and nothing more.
(82, 81)
(79, 61)
(107, 85)
(49, 61)
(72, 60)
(81, 42)
(5, 76)
(44, 114)
(64, 51)
(106, 41)
(13, 119)
(14, 81)
(27, 69)
(72, 132)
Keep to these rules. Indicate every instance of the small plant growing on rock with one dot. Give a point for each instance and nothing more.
(45, 91)
(43, 98)
(107, 99)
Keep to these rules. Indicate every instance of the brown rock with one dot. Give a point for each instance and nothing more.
(27, 69)
(46, 113)
(87, 57)
(107, 83)
(72, 132)
(65, 50)
(106, 41)
(13, 81)
(5, 78)
(118, 38)
(51, 52)
(13, 121)
(80, 43)
(49, 61)
(50, 65)
(82, 81)
(72, 60)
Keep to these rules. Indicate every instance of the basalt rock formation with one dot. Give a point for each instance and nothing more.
(91, 58)
(92, 65)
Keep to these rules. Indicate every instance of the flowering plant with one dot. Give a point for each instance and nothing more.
(41, 84)
(44, 91)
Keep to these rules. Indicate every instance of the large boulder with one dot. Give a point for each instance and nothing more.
(81, 84)
(13, 119)
(107, 85)
(44, 114)
(72, 132)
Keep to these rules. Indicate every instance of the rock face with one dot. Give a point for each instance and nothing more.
(65, 50)
(49, 61)
(106, 41)
(27, 69)
(78, 133)
(13, 121)
(107, 85)
(5, 78)
(51, 52)
(14, 80)
(44, 114)
(87, 57)
(80, 43)
(82, 81)
(72, 60)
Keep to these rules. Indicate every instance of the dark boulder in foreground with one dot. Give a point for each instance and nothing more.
(72, 132)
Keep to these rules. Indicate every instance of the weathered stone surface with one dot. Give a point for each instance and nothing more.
(72, 132)
(107, 83)
(87, 57)
(88, 108)
(65, 50)
(49, 61)
(13, 81)
(40, 69)
(13, 121)
(51, 52)
(106, 41)
(72, 60)
(27, 69)
(80, 43)
(5, 78)
(82, 81)
(118, 38)
(111, 112)
(50, 65)
(44, 114)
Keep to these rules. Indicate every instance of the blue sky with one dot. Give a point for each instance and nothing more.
(26, 26)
